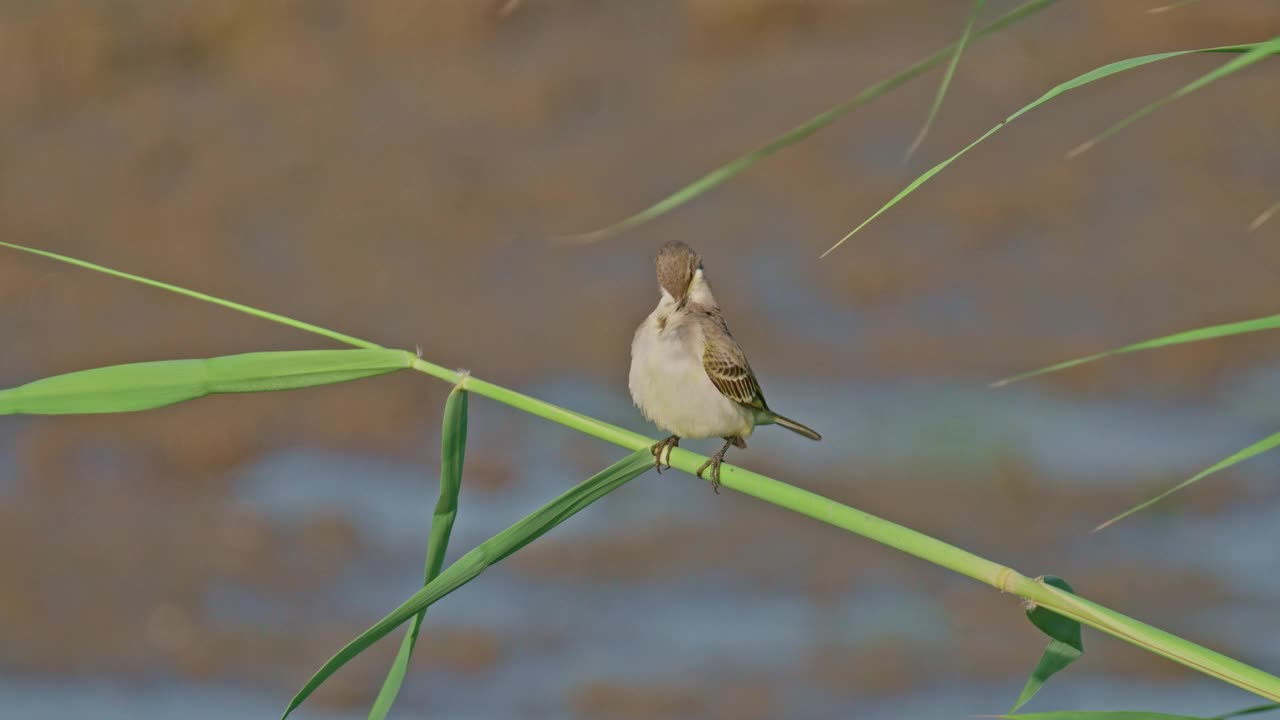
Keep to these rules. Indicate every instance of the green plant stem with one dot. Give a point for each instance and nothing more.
(898, 537)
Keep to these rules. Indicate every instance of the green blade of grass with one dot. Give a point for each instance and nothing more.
(800, 132)
(1271, 47)
(1081, 80)
(490, 552)
(146, 385)
(419, 364)
(1254, 710)
(1098, 715)
(1255, 449)
(1172, 6)
(248, 310)
(946, 77)
(453, 449)
(1270, 322)
(1065, 644)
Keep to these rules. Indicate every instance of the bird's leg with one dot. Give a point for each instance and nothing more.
(715, 460)
(662, 450)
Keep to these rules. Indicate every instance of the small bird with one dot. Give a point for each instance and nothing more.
(688, 374)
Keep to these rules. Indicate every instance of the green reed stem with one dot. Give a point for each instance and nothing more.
(898, 537)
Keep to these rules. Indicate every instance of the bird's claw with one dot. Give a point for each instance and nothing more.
(663, 448)
(714, 464)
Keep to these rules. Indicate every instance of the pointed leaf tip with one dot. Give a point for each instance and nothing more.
(1065, 644)
(1263, 445)
(740, 164)
(947, 75)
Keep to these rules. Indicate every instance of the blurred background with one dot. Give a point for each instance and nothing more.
(396, 171)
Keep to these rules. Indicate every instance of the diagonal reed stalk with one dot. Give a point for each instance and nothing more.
(804, 502)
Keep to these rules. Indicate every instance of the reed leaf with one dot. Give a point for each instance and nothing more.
(1254, 710)
(1211, 332)
(946, 77)
(246, 309)
(1098, 715)
(1257, 448)
(1079, 81)
(1264, 216)
(1271, 47)
(487, 553)
(728, 170)
(1172, 6)
(453, 450)
(153, 384)
(1065, 644)
(1134, 715)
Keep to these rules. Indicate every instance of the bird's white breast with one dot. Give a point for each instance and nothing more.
(670, 386)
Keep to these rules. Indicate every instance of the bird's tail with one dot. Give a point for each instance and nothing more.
(796, 427)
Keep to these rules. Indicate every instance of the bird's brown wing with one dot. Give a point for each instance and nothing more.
(727, 365)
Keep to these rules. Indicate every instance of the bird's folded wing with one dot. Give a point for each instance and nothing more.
(727, 365)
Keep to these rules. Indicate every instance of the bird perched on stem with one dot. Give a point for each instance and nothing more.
(688, 374)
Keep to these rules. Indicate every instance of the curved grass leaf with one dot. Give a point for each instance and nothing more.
(1248, 711)
(453, 450)
(1255, 449)
(1270, 322)
(1172, 6)
(1089, 77)
(1098, 715)
(1271, 47)
(487, 553)
(1264, 216)
(946, 77)
(146, 385)
(248, 310)
(800, 132)
(1065, 644)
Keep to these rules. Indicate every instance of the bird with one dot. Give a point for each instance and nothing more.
(688, 375)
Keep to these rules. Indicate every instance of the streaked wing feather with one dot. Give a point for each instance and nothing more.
(727, 365)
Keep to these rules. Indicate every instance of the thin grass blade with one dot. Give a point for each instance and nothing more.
(1255, 449)
(1089, 77)
(1211, 332)
(1260, 51)
(1264, 216)
(147, 385)
(946, 77)
(453, 450)
(1098, 715)
(246, 309)
(490, 552)
(1065, 644)
(800, 132)
(1254, 710)
(1172, 6)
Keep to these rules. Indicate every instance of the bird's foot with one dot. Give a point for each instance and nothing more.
(661, 451)
(714, 462)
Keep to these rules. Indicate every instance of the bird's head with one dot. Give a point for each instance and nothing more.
(679, 271)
